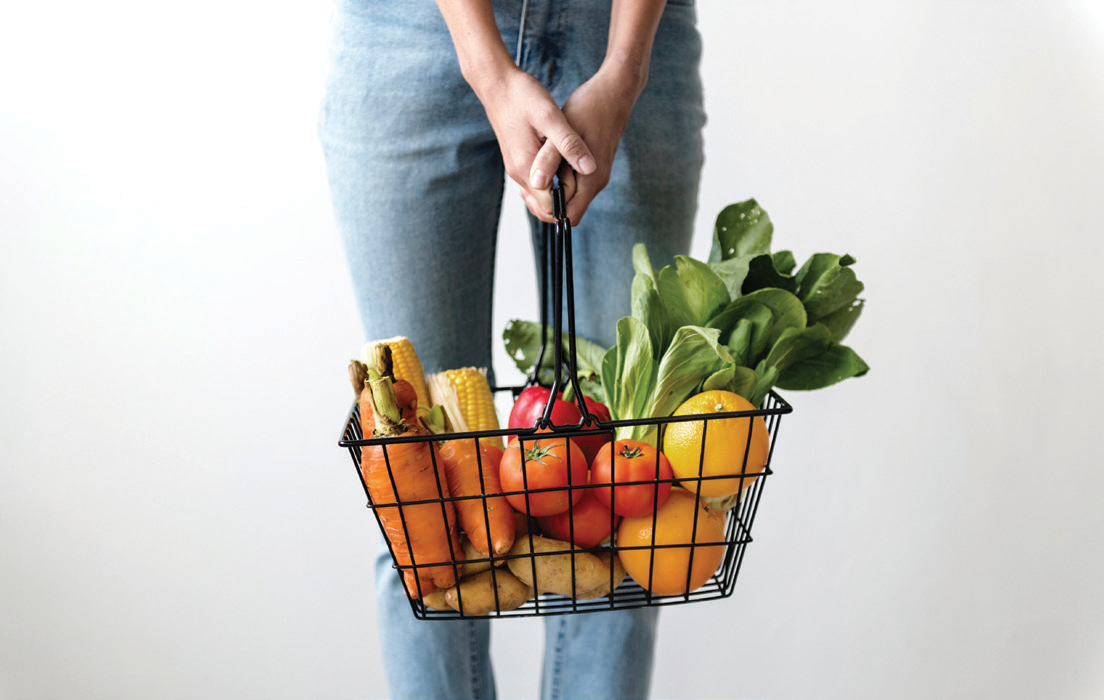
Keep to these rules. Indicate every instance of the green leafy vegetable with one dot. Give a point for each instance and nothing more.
(523, 342)
(743, 321)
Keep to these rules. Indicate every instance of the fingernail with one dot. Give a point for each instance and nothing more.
(586, 165)
(539, 179)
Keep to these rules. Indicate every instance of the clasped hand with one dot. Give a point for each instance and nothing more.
(540, 139)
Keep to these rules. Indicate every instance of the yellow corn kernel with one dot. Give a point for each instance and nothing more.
(473, 399)
(406, 364)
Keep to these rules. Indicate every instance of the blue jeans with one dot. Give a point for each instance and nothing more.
(417, 179)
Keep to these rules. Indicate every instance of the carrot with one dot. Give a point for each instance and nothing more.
(472, 471)
(424, 538)
(471, 467)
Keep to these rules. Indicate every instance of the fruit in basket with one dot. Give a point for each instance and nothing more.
(591, 446)
(421, 534)
(671, 572)
(529, 406)
(535, 473)
(554, 566)
(589, 520)
(733, 446)
(631, 461)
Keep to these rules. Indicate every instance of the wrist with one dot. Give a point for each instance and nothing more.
(486, 71)
(626, 71)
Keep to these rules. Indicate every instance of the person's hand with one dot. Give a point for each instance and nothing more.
(599, 111)
(527, 121)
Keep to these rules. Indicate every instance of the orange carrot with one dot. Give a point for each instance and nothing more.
(472, 471)
(424, 538)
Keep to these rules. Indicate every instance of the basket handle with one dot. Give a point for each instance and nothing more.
(555, 254)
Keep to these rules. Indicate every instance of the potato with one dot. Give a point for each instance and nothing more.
(478, 593)
(436, 599)
(604, 589)
(475, 562)
(554, 571)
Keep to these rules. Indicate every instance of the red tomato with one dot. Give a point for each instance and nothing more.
(549, 461)
(633, 461)
(591, 445)
(529, 407)
(591, 519)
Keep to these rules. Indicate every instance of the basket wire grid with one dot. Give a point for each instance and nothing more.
(740, 515)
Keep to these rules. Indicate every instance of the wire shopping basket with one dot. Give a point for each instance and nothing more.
(680, 553)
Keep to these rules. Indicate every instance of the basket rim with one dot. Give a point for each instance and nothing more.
(779, 407)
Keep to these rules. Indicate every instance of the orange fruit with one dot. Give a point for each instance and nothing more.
(728, 441)
(674, 525)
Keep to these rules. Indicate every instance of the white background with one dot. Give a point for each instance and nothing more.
(177, 521)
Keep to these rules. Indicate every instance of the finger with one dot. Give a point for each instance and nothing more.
(578, 204)
(568, 183)
(571, 146)
(546, 162)
(540, 208)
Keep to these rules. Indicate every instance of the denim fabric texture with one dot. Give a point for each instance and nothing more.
(417, 180)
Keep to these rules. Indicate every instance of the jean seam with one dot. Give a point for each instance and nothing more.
(557, 661)
(473, 656)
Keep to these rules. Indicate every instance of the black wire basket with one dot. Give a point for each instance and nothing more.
(581, 584)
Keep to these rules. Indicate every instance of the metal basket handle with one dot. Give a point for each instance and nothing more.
(556, 264)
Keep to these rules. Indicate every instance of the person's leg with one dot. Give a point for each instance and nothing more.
(443, 659)
(416, 181)
(599, 655)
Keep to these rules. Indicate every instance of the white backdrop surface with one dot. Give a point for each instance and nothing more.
(177, 522)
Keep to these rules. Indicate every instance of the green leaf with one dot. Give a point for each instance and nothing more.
(642, 263)
(741, 229)
(649, 309)
(765, 378)
(826, 283)
(523, 342)
(762, 274)
(769, 312)
(692, 293)
(841, 321)
(611, 382)
(630, 383)
(695, 354)
(784, 262)
(834, 364)
(796, 345)
(745, 383)
(741, 339)
(523, 338)
(732, 272)
(721, 380)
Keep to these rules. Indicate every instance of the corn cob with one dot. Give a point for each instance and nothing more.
(406, 364)
(466, 398)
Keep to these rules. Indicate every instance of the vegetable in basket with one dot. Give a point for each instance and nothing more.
(744, 321)
(423, 536)
(471, 468)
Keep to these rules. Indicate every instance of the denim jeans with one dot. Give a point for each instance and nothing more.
(417, 179)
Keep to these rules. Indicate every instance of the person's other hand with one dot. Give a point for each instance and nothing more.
(599, 112)
(527, 121)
